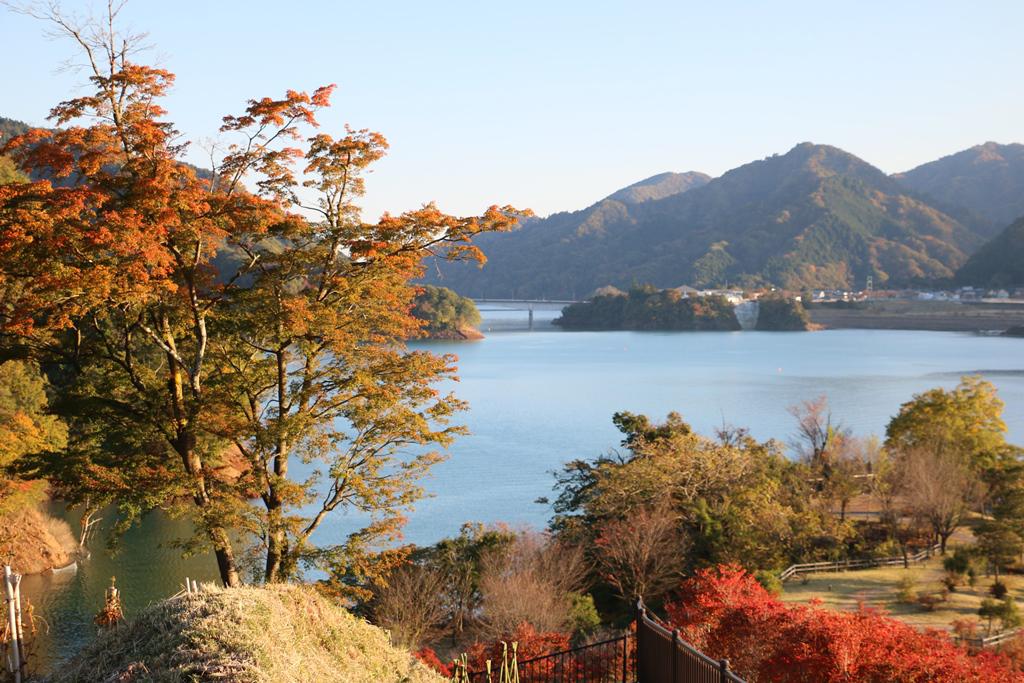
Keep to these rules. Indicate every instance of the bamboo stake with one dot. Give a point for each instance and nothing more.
(14, 656)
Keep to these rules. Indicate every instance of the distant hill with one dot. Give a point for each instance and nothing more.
(814, 217)
(999, 262)
(660, 186)
(986, 180)
(10, 128)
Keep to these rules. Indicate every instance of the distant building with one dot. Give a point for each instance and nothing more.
(686, 292)
(733, 296)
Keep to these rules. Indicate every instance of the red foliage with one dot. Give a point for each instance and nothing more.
(727, 614)
(531, 643)
(427, 656)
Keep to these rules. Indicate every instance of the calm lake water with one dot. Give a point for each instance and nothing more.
(541, 397)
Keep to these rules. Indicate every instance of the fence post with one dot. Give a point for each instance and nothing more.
(675, 655)
(639, 647)
(723, 670)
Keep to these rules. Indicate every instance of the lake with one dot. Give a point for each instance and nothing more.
(541, 397)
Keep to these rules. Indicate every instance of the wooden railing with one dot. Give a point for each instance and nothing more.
(850, 565)
(992, 641)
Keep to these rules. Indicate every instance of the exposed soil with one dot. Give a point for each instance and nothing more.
(34, 542)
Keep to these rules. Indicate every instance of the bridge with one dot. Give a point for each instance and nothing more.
(524, 301)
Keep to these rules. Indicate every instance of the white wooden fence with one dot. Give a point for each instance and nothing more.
(850, 565)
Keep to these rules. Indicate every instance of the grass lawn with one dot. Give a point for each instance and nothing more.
(878, 588)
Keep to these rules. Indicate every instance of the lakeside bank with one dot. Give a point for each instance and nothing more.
(930, 316)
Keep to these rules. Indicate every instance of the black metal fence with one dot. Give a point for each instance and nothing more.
(663, 657)
(607, 661)
(652, 654)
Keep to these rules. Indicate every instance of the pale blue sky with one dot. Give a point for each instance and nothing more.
(552, 105)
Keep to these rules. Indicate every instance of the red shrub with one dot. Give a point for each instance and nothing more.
(427, 656)
(531, 644)
(726, 613)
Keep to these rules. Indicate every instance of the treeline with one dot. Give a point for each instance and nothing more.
(675, 516)
(648, 308)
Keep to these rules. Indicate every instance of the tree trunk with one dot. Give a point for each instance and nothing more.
(943, 539)
(225, 558)
(276, 544)
(184, 443)
(277, 541)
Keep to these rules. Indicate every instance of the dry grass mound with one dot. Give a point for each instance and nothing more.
(280, 633)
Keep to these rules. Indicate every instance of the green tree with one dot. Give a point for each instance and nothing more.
(444, 311)
(999, 544)
(965, 421)
(461, 560)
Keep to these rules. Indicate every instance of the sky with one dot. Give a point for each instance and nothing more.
(552, 105)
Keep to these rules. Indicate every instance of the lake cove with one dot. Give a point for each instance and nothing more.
(539, 398)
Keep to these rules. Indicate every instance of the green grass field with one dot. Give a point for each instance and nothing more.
(878, 588)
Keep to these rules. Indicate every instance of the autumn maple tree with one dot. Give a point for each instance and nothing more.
(213, 329)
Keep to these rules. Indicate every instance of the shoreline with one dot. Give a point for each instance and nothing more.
(919, 315)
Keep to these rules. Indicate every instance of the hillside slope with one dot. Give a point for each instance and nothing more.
(999, 262)
(986, 180)
(275, 634)
(814, 217)
(660, 186)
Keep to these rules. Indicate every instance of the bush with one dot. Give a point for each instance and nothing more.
(583, 616)
(769, 580)
(957, 563)
(951, 580)
(905, 593)
(929, 600)
(726, 614)
(998, 590)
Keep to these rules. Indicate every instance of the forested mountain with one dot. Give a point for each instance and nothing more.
(999, 262)
(660, 186)
(9, 128)
(813, 217)
(986, 180)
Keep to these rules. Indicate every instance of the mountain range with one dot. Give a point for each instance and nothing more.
(816, 216)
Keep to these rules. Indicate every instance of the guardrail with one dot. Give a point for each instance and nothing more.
(850, 565)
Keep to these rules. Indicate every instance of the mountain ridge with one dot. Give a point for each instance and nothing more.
(986, 181)
(814, 216)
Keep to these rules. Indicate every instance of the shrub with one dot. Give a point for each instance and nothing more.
(929, 600)
(725, 613)
(583, 616)
(958, 563)
(769, 580)
(427, 656)
(905, 593)
(998, 590)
